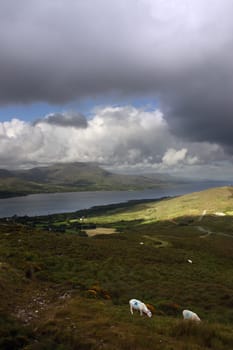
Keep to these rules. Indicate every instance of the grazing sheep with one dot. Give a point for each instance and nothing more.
(191, 316)
(139, 306)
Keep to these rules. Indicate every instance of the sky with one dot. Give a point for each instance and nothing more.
(137, 86)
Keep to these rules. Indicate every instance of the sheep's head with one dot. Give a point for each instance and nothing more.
(149, 313)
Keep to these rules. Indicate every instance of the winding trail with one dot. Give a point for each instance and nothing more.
(209, 232)
(206, 232)
(202, 215)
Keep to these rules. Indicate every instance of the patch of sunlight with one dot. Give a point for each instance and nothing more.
(100, 231)
(157, 242)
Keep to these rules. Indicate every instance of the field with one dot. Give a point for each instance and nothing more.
(63, 289)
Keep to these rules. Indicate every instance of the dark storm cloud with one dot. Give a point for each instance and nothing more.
(200, 108)
(72, 119)
(179, 52)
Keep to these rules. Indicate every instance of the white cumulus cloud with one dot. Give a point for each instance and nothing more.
(125, 138)
(172, 156)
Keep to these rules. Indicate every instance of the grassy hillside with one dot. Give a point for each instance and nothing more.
(73, 177)
(64, 290)
(211, 202)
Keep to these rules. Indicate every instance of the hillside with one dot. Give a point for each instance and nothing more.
(73, 177)
(61, 289)
(211, 202)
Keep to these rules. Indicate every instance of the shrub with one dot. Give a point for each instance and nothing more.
(91, 293)
(201, 333)
(97, 292)
(151, 308)
(82, 234)
(169, 308)
(12, 335)
(30, 270)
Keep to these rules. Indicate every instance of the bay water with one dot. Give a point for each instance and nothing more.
(51, 203)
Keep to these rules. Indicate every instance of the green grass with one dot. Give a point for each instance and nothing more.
(63, 291)
(190, 205)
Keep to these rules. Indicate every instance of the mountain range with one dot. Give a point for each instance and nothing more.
(71, 177)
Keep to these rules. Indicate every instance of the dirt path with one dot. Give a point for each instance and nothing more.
(208, 232)
(202, 215)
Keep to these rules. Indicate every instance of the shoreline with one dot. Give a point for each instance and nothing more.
(68, 202)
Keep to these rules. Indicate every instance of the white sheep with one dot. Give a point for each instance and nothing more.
(139, 306)
(190, 315)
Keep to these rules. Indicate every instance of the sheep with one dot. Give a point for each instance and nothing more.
(190, 315)
(140, 306)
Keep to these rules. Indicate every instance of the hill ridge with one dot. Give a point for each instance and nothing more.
(78, 176)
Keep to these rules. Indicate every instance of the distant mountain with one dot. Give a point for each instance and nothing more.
(74, 177)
